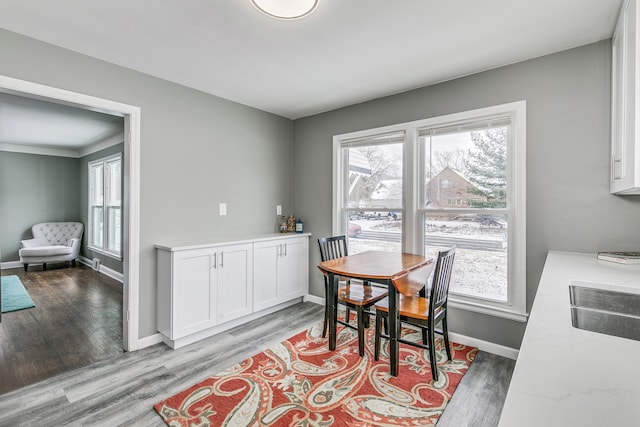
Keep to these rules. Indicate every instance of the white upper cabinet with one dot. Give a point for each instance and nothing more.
(625, 107)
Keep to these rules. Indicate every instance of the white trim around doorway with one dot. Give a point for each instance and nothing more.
(131, 248)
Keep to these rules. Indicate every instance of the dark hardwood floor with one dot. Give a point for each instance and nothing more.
(122, 391)
(77, 321)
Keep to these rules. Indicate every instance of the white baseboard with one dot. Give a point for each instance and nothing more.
(112, 273)
(103, 269)
(314, 299)
(11, 264)
(489, 347)
(149, 341)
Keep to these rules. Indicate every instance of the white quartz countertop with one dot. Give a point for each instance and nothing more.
(205, 242)
(566, 376)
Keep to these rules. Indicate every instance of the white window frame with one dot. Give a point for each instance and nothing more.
(413, 214)
(106, 226)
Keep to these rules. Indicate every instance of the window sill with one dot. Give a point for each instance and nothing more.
(504, 313)
(102, 252)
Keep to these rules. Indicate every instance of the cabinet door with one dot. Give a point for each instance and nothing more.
(235, 284)
(265, 274)
(618, 101)
(625, 158)
(194, 292)
(293, 269)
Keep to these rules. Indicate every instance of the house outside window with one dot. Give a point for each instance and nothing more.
(462, 183)
(372, 192)
(105, 206)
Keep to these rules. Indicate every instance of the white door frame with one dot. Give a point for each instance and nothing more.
(131, 212)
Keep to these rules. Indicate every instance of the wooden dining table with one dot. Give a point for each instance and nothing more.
(400, 272)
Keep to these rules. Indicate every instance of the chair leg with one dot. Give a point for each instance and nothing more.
(44, 266)
(325, 323)
(378, 338)
(445, 333)
(432, 354)
(347, 316)
(26, 266)
(326, 309)
(361, 315)
(425, 339)
(73, 262)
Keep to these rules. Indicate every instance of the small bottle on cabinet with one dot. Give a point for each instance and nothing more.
(291, 224)
(299, 226)
(282, 224)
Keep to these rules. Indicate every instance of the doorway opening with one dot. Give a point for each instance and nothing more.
(131, 166)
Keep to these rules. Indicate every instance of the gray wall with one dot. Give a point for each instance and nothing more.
(569, 207)
(197, 150)
(33, 189)
(83, 171)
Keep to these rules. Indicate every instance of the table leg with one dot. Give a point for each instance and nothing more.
(332, 300)
(394, 330)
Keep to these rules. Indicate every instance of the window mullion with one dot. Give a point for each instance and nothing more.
(412, 241)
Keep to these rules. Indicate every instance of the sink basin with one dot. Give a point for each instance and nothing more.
(605, 311)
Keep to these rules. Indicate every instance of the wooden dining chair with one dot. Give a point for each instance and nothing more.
(425, 313)
(352, 293)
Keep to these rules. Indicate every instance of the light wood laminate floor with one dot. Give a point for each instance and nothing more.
(121, 391)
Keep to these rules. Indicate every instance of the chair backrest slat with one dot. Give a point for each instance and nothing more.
(441, 279)
(332, 247)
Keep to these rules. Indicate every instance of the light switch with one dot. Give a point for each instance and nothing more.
(278, 210)
(223, 208)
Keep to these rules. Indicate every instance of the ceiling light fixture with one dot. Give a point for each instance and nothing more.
(286, 9)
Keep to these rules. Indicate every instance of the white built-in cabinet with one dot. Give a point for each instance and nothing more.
(206, 288)
(280, 271)
(625, 105)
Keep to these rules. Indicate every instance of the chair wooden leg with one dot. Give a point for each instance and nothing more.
(445, 333)
(432, 354)
(325, 323)
(44, 266)
(326, 309)
(361, 315)
(25, 267)
(378, 338)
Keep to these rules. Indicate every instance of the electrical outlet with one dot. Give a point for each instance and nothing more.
(278, 210)
(223, 208)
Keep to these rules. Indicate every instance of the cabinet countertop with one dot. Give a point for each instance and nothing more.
(566, 376)
(206, 242)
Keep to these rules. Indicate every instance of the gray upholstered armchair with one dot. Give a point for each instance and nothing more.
(52, 242)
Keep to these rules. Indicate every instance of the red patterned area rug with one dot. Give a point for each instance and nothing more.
(299, 382)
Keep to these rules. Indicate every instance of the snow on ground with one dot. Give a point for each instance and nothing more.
(477, 273)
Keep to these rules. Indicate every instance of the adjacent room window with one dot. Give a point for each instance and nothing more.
(462, 183)
(105, 205)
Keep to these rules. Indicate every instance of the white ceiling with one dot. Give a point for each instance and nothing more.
(25, 121)
(346, 52)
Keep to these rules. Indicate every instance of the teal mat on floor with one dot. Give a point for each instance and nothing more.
(14, 295)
